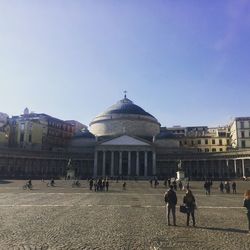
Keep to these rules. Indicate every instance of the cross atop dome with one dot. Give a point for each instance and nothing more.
(125, 93)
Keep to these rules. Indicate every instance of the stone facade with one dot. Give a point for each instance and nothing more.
(124, 141)
(240, 132)
(130, 124)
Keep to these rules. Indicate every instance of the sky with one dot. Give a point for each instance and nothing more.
(185, 62)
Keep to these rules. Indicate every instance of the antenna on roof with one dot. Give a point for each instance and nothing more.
(125, 93)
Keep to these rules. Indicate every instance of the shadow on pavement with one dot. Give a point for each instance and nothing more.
(232, 230)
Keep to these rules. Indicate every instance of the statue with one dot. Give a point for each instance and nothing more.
(179, 165)
(69, 164)
(180, 173)
(70, 170)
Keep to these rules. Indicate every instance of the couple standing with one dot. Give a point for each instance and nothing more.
(171, 201)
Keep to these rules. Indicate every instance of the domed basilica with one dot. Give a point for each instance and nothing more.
(123, 138)
(127, 141)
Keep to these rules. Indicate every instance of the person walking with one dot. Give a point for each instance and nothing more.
(171, 201)
(234, 187)
(221, 187)
(189, 201)
(246, 204)
(107, 185)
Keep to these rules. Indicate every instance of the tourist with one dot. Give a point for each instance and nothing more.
(124, 185)
(169, 182)
(227, 187)
(95, 185)
(29, 183)
(91, 183)
(156, 183)
(207, 187)
(180, 185)
(52, 182)
(247, 206)
(189, 201)
(107, 185)
(175, 185)
(234, 187)
(221, 187)
(171, 201)
(151, 183)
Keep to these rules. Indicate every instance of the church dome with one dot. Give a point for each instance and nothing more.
(126, 106)
(125, 117)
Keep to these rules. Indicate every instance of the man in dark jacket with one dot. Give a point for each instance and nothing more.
(171, 201)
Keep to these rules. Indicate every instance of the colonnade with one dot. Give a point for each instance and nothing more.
(208, 168)
(124, 163)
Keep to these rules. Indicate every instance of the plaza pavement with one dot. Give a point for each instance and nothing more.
(63, 217)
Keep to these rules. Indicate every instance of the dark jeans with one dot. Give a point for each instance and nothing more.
(188, 216)
(171, 208)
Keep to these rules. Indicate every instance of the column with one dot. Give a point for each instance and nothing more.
(95, 164)
(103, 163)
(112, 164)
(154, 163)
(145, 164)
(219, 168)
(129, 163)
(235, 168)
(197, 168)
(204, 168)
(228, 172)
(137, 163)
(243, 168)
(120, 163)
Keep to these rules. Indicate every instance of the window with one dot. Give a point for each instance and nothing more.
(192, 143)
(30, 137)
(185, 142)
(180, 143)
(213, 149)
(243, 144)
(199, 150)
(228, 142)
(241, 124)
(213, 141)
(199, 141)
(221, 149)
(206, 141)
(206, 149)
(242, 134)
(220, 142)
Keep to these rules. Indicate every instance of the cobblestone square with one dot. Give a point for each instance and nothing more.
(63, 217)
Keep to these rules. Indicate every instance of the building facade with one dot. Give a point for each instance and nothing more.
(240, 132)
(124, 141)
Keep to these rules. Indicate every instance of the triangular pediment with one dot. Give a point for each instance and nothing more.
(125, 140)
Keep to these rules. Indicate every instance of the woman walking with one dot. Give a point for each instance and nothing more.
(189, 201)
(247, 205)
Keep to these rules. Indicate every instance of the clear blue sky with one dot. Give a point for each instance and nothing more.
(185, 62)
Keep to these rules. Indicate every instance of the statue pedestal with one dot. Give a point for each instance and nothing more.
(71, 174)
(180, 175)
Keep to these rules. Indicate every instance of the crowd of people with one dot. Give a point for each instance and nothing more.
(189, 203)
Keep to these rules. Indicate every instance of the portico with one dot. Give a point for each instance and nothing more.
(124, 156)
